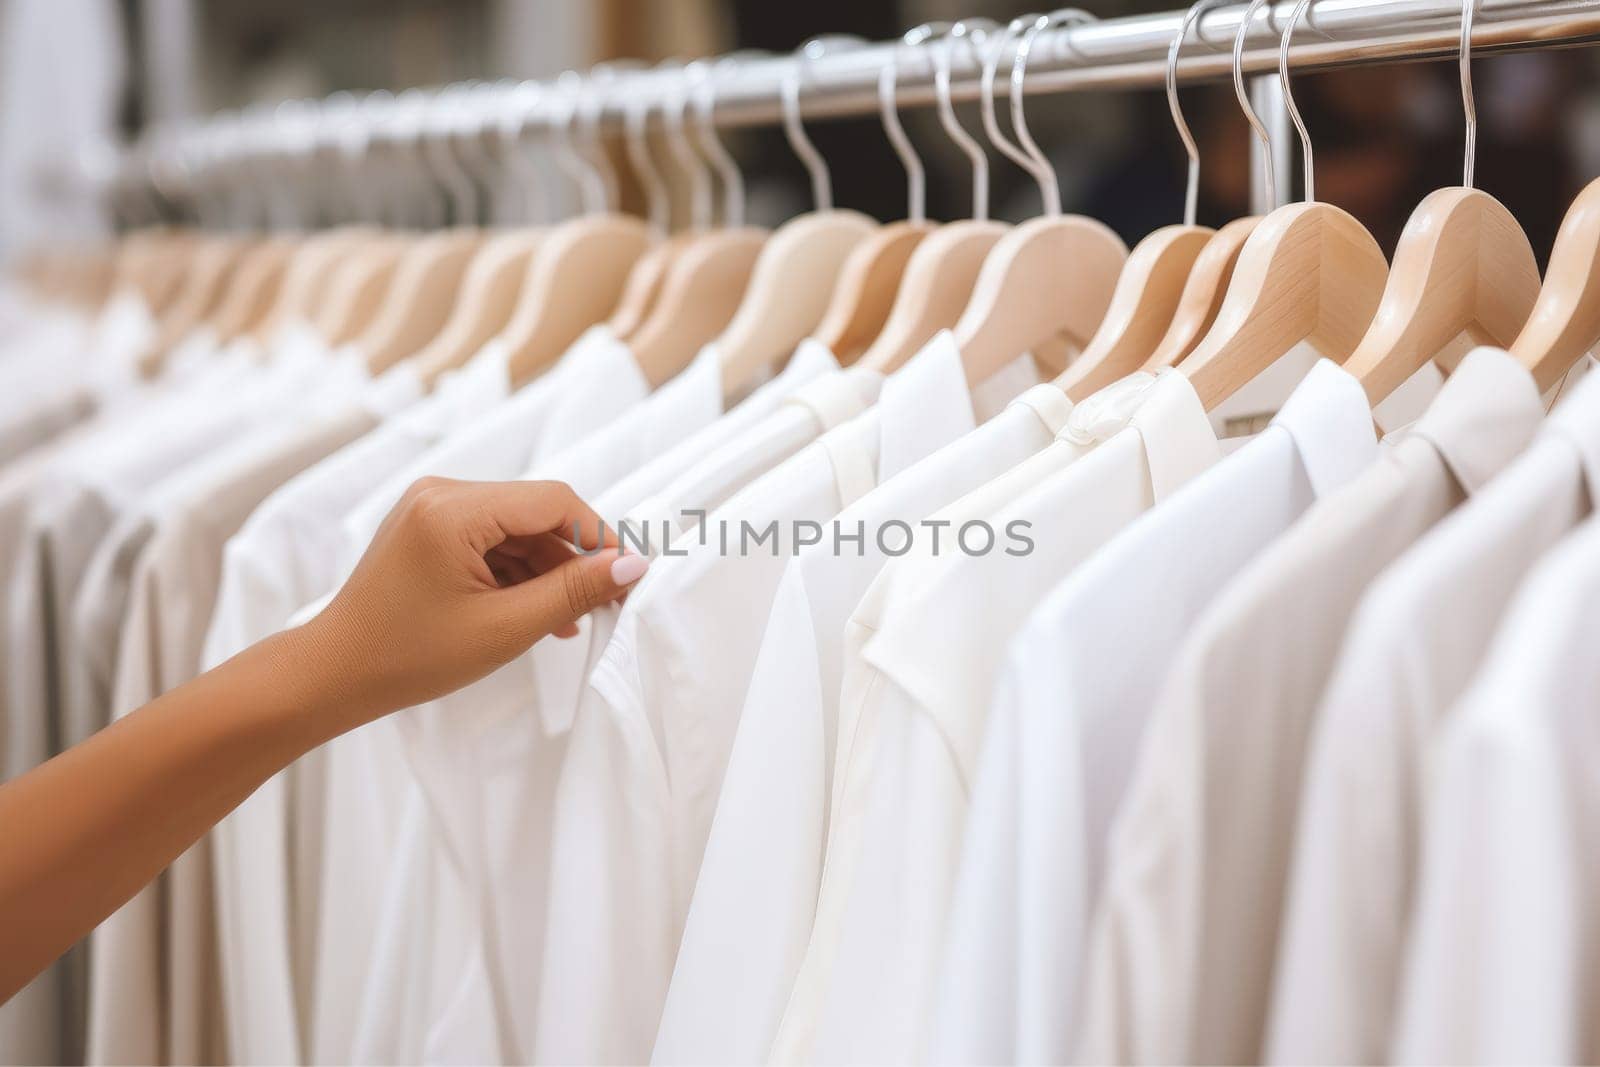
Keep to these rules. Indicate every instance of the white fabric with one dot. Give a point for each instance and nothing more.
(1413, 645)
(650, 742)
(372, 788)
(154, 970)
(1183, 938)
(909, 744)
(756, 893)
(1078, 680)
(1503, 965)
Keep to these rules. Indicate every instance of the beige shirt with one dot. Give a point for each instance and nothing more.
(154, 989)
(1184, 938)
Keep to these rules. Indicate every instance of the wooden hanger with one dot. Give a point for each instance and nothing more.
(1463, 270)
(574, 281)
(306, 276)
(644, 284)
(1463, 267)
(1308, 273)
(215, 265)
(1140, 310)
(702, 292)
(1156, 276)
(792, 282)
(254, 291)
(357, 288)
(1045, 285)
(1202, 293)
(420, 297)
(489, 288)
(943, 268)
(1565, 323)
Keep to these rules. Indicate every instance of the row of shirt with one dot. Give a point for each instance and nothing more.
(951, 724)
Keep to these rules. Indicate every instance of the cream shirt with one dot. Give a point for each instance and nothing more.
(1502, 965)
(756, 893)
(1183, 938)
(1079, 678)
(650, 743)
(1413, 645)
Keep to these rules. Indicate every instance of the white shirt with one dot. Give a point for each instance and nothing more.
(267, 853)
(1078, 680)
(1182, 944)
(373, 772)
(756, 893)
(899, 794)
(647, 752)
(1502, 965)
(1413, 645)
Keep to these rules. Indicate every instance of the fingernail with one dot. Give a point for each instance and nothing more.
(625, 570)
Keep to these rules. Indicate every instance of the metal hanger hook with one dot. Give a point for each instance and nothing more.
(1191, 194)
(701, 193)
(974, 32)
(1468, 105)
(578, 165)
(637, 144)
(888, 109)
(594, 91)
(1040, 172)
(1063, 19)
(1307, 164)
(1239, 91)
(722, 161)
(794, 128)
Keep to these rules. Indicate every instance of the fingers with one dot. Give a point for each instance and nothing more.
(553, 602)
(524, 509)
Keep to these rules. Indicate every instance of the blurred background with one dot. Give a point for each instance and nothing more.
(78, 75)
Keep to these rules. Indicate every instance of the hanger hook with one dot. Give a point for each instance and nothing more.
(438, 138)
(888, 109)
(521, 103)
(1307, 164)
(794, 129)
(579, 166)
(594, 90)
(701, 191)
(975, 31)
(636, 142)
(1049, 186)
(721, 160)
(1468, 105)
(1191, 194)
(1244, 97)
(991, 118)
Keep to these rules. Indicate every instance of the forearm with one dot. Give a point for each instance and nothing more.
(81, 834)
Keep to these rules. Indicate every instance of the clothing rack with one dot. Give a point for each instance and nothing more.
(837, 78)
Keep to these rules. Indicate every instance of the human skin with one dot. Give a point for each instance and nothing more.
(461, 578)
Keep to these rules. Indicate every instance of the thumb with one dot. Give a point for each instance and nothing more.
(555, 600)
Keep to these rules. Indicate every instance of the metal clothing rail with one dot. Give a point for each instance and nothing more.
(843, 80)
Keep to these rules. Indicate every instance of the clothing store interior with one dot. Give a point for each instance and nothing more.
(759, 531)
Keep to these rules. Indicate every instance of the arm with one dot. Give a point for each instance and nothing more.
(460, 579)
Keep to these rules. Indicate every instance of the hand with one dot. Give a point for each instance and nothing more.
(461, 578)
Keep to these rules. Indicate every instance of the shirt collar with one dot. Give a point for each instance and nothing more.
(1328, 419)
(924, 404)
(1577, 418)
(1485, 413)
(692, 398)
(1179, 441)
